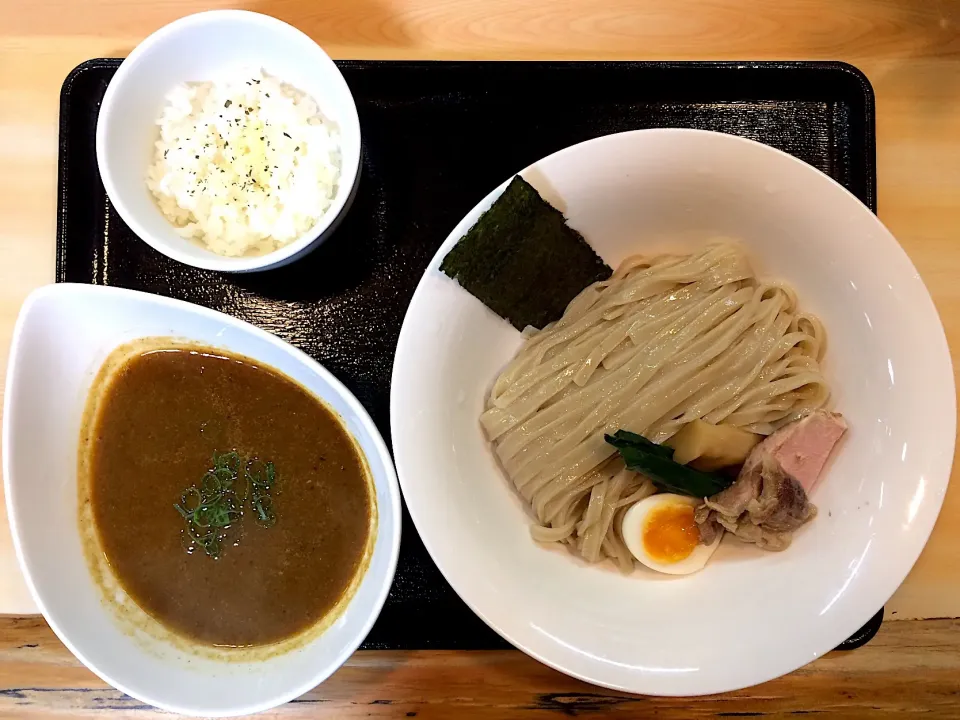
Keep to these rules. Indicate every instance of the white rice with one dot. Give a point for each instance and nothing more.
(244, 165)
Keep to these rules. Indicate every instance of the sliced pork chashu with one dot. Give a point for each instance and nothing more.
(769, 500)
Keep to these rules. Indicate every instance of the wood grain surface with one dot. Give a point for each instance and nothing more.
(911, 667)
(909, 49)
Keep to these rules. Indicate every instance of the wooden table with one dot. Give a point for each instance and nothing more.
(910, 50)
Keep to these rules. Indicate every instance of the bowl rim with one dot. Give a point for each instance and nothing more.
(210, 260)
(388, 481)
(405, 347)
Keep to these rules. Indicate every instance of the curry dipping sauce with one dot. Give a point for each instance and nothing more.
(229, 502)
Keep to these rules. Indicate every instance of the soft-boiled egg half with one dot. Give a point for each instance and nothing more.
(661, 533)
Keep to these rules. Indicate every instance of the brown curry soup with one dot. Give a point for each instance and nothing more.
(163, 416)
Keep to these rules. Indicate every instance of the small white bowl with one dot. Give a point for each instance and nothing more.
(198, 48)
(63, 334)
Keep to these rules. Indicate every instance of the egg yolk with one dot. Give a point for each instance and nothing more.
(670, 533)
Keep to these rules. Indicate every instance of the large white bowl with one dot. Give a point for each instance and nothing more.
(749, 616)
(62, 336)
(202, 47)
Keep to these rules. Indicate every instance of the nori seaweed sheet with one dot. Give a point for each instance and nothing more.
(522, 260)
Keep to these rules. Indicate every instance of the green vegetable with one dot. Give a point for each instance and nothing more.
(211, 509)
(261, 477)
(521, 259)
(657, 463)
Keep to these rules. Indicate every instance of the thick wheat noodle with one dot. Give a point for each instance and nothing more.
(665, 341)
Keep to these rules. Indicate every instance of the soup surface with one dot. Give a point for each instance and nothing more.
(230, 503)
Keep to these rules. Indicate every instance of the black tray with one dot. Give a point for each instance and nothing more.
(436, 138)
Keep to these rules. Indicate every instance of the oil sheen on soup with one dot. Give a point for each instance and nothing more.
(229, 502)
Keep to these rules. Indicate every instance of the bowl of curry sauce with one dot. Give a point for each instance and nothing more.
(207, 518)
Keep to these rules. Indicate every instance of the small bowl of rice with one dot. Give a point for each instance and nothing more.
(229, 140)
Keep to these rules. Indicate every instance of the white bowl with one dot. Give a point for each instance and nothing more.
(749, 616)
(62, 336)
(197, 48)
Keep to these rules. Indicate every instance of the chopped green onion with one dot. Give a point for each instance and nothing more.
(214, 507)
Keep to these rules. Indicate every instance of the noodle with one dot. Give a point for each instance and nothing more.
(664, 341)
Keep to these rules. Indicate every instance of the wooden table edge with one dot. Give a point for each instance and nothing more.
(911, 665)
